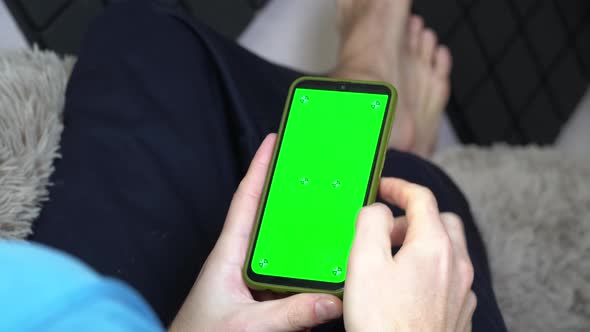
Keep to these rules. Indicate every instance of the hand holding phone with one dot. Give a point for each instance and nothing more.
(220, 299)
(426, 286)
(379, 294)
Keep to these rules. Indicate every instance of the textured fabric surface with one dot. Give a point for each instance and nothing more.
(32, 87)
(532, 205)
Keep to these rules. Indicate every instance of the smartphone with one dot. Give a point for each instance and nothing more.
(326, 166)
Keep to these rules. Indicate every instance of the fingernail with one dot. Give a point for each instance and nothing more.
(326, 310)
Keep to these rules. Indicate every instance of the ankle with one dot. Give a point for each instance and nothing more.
(363, 73)
(403, 135)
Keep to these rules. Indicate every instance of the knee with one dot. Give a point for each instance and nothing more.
(140, 26)
(417, 170)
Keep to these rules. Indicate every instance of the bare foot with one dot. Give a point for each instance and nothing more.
(425, 84)
(404, 54)
(372, 35)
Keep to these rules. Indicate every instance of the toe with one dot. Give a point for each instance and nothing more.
(428, 44)
(415, 27)
(442, 62)
(438, 96)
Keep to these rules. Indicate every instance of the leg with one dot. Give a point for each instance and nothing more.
(407, 55)
(404, 53)
(153, 153)
(160, 124)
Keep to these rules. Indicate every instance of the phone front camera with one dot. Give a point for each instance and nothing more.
(342, 87)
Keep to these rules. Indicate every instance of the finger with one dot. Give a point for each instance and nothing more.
(420, 205)
(464, 275)
(235, 236)
(454, 226)
(398, 234)
(295, 313)
(468, 327)
(263, 296)
(466, 315)
(372, 242)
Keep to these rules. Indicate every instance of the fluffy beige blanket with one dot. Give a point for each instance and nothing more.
(532, 204)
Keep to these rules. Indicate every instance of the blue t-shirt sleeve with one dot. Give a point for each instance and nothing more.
(42, 289)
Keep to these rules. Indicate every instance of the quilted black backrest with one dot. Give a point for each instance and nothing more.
(520, 66)
(60, 24)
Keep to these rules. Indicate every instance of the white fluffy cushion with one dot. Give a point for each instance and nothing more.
(32, 85)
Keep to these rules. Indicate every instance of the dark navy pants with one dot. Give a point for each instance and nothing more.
(161, 120)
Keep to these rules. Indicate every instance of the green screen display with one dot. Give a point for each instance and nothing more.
(319, 184)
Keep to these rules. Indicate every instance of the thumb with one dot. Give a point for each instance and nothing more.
(295, 313)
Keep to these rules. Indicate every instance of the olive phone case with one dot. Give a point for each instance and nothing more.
(325, 167)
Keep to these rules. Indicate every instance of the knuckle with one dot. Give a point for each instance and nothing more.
(426, 196)
(445, 245)
(238, 322)
(257, 163)
(452, 221)
(472, 301)
(439, 248)
(423, 192)
(364, 213)
(381, 210)
(243, 192)
(296, 315)
(443, 255)
(466, 272)
(374, 210)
